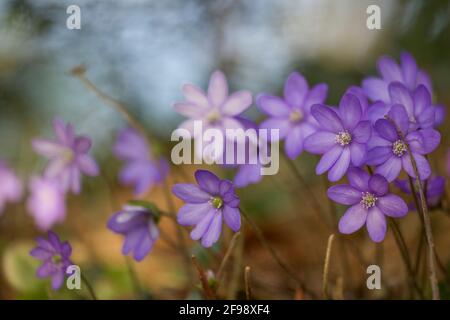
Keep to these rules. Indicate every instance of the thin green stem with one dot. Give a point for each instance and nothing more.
(88, 286)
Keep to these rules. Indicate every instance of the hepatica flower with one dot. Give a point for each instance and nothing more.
(435, 188)
(389, 148)
(140, 169)
(10, 186)
(291, 115)
(407, 74)
(68, 156)
(46, 202)
(55, 257)
(341, 137)
(215, 109)
(138, 224)
(206, 205)
(370, 202)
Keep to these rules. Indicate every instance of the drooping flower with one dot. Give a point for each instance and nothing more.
(206, 205)
(370, 203)
(341, 137)
(215, 109)
(55, 257)
(140, 169)
(291, 115)
(46, 202)
(389, 147)
(138, 224)
(10, 186)
(435, 188)
(68, 155)
(407, 73)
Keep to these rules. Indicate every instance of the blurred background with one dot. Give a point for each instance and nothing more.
(141, 52)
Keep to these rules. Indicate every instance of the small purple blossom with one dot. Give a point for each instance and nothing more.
(291, 115)
(341, 137)
(55, 257)
(389, 147)
(138, 224)
(46, 202)
(10, 186)
(206, 205)
(435, 188)
(407, 74)
(140, 169)
(370, 203)
(216, 109)
(68, 155)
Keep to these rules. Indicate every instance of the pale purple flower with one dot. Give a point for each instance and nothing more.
(370, 203)
(341, 137)
(206, 205)
(138, 224)
(141, 170)
(407, 73)
(10, 186)
(55, 257)
(435, 188)
(291, 115)
(389, 147)
(68, 155)
(215, 109)
(46, 202)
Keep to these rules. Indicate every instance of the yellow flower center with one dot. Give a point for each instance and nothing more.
(399, 148)
(343, 138)
(217, 202)
(296, 116)
(368, 200)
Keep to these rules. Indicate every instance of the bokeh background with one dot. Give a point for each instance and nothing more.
(141, 52)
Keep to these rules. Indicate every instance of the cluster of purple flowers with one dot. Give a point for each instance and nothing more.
(386, 125)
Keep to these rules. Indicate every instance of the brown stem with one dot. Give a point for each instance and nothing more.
(326, 266)
(209, 294)
(405, 257)
(226, 258)
(248, 288)
(89, 287)
(425, 218)
(274, 255)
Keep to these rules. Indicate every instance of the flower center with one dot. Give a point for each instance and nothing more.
(368, 200)
(399, 148)
(343, 138)
(296, 116)
(68, 155)
(57, 259)
(217, 202)
(214, 116)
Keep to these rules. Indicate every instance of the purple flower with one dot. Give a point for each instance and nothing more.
(389, 147)
(46, 202)
(138, 224)
(206, 205)
(55, 256)
(140, 169)
(370, 203)
(291, 115)
(216, 109)
(417, 103)
(10, 186)
(68, 155)
(407, 73)
(341, 138)
(435, 189)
